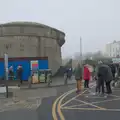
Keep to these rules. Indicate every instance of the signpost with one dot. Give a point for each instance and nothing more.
(6, 72)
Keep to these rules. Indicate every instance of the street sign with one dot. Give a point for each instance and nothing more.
(6, 61)
(6, 72)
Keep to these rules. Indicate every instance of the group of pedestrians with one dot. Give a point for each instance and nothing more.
(19, 73)
(79, 76)
(104, 74)
(103, 77)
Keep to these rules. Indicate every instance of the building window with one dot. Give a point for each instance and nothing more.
(21, 47)
(7, 46)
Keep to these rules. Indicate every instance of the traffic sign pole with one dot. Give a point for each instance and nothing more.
(6, 72)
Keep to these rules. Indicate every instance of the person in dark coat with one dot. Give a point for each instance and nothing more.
(98, 85)
(113, 70)
(109, 78)
(68, 73)
(103, 76)
(11, 73)
(19, 73)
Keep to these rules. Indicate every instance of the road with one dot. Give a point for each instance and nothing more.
(87, 106)
(67, 105)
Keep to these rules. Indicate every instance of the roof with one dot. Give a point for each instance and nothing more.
(27, 23)
(114, 42)
(23, 23)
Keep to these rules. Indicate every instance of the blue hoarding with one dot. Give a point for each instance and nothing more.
(43, 64)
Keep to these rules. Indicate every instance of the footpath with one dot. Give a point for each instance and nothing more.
(25, 98)
(56, 82)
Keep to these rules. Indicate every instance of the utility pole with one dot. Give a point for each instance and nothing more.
(81, 51)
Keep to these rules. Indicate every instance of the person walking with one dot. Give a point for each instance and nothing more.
(101, 77)
(11, 73)
(19, 73)
(113, 70)
(78, 77)
(109, 78)
(86, 76)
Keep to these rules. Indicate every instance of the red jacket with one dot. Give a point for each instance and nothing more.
(86, 74)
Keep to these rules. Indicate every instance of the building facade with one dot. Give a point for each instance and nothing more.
(113, 49)
(28, 39)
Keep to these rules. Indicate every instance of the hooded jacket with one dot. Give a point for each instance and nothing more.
(78, 72)
(104, 72)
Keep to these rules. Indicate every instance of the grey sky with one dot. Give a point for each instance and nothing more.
(97, 21)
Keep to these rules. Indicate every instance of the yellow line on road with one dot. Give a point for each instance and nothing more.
(59, 101)
(54, 114)
(54, 108)
(59, 104)
(75, 97)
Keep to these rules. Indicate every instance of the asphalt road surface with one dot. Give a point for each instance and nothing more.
(68, 105)
(87, 106)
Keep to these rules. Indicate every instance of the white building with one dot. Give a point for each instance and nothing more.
(113, 49)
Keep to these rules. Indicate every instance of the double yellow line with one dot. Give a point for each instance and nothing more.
(56, 108)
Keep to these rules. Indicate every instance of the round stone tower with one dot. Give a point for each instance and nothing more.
(29, 39)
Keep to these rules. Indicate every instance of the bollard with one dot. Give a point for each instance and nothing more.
(30, 82)
(65, 80)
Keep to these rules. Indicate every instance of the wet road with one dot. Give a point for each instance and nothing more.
(68, 105)
(87, 106)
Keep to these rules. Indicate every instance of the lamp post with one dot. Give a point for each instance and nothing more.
(80, 51)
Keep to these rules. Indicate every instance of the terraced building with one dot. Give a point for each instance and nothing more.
(29, 39)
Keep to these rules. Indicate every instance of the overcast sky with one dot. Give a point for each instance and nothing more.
(96, 21)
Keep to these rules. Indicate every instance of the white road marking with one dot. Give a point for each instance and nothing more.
(93, 102)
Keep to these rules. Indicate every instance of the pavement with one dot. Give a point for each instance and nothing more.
(39, 108)
(62, 103)
(24, 99)
(57, 81)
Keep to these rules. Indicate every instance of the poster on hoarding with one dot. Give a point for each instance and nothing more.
(34, 65)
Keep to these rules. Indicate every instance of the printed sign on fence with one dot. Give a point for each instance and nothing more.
(34, 65)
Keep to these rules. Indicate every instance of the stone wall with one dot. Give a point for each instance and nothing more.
(32, 41)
